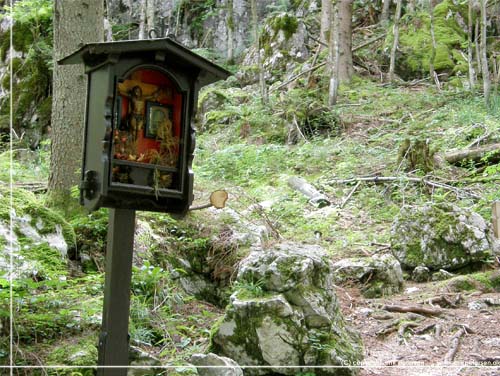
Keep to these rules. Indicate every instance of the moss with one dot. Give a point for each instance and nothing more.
(79, 353)
(26, 203)
(416, 42)
(49, 263)
(462, 283)
(286, 23)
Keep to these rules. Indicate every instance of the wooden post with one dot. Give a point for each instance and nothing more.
(113, 341)
(495, 218)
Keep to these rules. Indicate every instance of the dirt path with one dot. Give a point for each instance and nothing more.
(418, 344)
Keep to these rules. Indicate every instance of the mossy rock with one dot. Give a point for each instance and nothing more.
(441, 236)
(376, 276)
(415, 42)
(285, 312)
(82, 352)
(41, 239)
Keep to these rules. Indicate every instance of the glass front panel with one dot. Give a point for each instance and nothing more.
(147, 131)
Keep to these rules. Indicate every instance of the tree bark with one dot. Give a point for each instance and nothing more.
(475, 154)
(142, 20)
(230, 28)
(345, 40)
(396, 41)
(484, 55)
(326, 21)
(384, 17)
(150, 16)
(255, 22)
(470, 57)
(432, 72)
(316, 198)
(334, 56)
(75, 23)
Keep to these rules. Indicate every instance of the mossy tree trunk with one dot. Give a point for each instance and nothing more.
(395, 43)
(484, 55)
(75, 23)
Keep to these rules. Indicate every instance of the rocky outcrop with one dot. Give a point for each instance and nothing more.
(285, 313)
(441, 236)
(376, 276)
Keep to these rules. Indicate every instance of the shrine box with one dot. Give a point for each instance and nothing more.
(139, 134)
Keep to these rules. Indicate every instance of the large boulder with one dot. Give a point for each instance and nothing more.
(376, 276)
(285, 313)
(441, 236)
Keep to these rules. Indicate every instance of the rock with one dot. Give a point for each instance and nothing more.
(421, 274)
(441, 236)
(228, 366)
(40, 241)
(377, 276)
(285, 313)
(442, 275)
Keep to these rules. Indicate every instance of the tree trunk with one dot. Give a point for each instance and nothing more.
(470, 57)
(384, 17)
(484, 56)
(262, 81)
(326, 20)
(396, 41)
(432, 72)
(345, 40)
(412, 6)
(478, 49)
(334, 56)
(142, 20)
(230, 29)
(75, 23)
(150, 16)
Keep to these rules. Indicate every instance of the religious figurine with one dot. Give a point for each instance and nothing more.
(137, 105)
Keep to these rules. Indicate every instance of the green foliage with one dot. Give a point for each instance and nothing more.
(415, 42)
(32, 35)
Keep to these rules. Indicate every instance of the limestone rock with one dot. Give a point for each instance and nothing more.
(421, 274)
(37, 231)
(377, 275)
(441, 236)
(285, 313)
(207, 365)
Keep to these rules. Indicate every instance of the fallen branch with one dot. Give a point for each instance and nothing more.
(315, 197)
(424, 180)
(367, 43)
(474, 154)
(414, 309)
(349, 195)
(455, 342)
(296, 76)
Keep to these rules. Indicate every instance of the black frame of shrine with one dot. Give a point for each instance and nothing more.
(139, 132)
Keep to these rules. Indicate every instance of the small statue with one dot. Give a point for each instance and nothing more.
(137, 105)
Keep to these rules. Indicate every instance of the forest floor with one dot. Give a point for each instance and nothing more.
(419, 344)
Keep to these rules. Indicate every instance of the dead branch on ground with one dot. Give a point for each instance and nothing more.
(413, 308)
